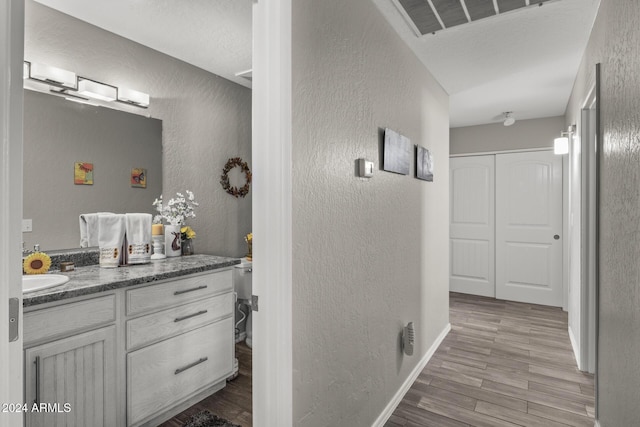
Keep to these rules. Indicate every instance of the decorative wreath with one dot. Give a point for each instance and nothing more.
(224, 179)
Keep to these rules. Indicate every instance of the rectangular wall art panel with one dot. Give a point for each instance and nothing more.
(83, 173)
(139, 177)
(424, 164)
(397, 152)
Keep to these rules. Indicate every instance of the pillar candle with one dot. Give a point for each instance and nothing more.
(157, 229)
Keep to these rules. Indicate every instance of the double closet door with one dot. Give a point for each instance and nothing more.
(506, 226)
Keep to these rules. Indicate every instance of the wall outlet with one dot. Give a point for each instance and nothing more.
(27, 226)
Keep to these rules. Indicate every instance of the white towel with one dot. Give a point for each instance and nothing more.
(111, 229)
(89, 229)
(138, 238)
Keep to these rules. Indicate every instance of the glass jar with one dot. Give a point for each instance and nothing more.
(187, 247)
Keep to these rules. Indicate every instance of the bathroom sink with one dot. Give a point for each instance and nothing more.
(37, 282)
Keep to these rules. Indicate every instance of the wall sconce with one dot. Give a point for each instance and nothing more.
(561, 144)
(68, 84)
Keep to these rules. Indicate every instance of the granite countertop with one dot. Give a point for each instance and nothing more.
(93, 279)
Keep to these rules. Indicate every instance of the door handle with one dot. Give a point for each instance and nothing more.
(556, 236)
(37, 363)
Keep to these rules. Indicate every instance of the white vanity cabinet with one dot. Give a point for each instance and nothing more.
(180, 344)
(70, 370)
(134, 356)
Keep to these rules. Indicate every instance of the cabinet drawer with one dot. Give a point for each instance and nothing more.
(178, 291)
(167, 323)
(162, 374)
(67, 319)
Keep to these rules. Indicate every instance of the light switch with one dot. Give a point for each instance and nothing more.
(365, 168)
(27, 226)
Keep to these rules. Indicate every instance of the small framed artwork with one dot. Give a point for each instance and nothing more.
(397, 152)
(424, 164)
(139, 177)
(83, 173)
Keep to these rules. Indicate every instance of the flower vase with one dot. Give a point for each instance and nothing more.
(187, 247)
(172, 240)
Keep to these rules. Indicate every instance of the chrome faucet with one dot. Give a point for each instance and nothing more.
(25, 251)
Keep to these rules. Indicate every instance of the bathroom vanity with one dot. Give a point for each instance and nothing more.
(129, 346)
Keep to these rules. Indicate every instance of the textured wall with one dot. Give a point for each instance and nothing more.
(615, 42)
(534, 133)
(368, 255)
(205, 118)
(58, 133)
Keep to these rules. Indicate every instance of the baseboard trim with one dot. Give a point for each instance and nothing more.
(397, 398)
(576, 349)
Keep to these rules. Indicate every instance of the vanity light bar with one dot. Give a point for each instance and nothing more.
(133, 97)
(53, 75)
(67, 83)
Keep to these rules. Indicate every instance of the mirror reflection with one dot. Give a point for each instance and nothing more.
(113, 148)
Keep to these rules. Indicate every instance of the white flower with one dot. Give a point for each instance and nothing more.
(177, 209)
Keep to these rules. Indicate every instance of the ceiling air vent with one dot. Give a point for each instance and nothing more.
(431, 16)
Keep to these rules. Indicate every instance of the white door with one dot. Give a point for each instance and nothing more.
(11, 57)
(272, 217)
(529, 227)
(472, 233)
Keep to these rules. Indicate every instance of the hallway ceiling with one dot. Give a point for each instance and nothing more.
(523, 60)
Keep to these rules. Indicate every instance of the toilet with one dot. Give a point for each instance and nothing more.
(242, 284)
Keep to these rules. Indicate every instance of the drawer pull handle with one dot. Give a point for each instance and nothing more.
(201, 360)
(37, 363)
(180, 319)
(190, 290)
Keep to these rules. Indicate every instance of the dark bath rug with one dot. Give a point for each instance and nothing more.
(207, 419)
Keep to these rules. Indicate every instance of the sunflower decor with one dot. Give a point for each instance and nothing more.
(36, 263)
(249, 239)
(224, 179)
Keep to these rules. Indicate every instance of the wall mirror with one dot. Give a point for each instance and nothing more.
(59, 133)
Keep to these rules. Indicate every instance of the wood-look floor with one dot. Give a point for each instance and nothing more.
(503, 364)
(232, 402)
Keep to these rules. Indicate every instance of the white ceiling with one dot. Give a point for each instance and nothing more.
(523, 61)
